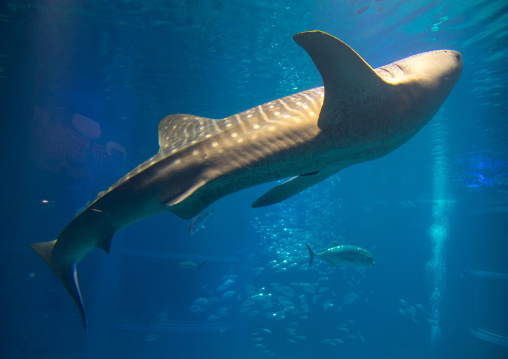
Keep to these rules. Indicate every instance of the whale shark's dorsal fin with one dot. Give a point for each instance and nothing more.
(178, 130)
(349, 81)
(346, 76)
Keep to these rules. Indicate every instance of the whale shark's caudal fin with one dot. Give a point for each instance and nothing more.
(66, 273)
(311, 254)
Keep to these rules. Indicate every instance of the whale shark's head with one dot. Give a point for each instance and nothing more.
(420, 85)
(434, 70)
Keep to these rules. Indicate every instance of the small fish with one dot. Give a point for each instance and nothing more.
(198, 221)
(191, 264)
(243, 310)
(329, 341)
(151, 337)
(201, 301)
(223, 312)
(326, 305)
(195, 309)
(228, 294)
(309, 288)
(228, 282)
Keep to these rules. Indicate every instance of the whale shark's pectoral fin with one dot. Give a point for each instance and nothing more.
(346, 76)
(293, 186)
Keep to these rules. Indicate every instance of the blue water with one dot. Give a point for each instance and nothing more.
(83, 86)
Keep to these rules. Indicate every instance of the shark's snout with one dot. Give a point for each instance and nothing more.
(457, 54)
(455, 66)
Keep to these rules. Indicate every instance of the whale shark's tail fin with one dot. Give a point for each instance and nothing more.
(65, 272)
(311, 254)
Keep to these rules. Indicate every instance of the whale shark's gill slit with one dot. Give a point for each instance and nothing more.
(401, 69)
(262, 114)
(286, 107)
(382, 71)
(312, 101)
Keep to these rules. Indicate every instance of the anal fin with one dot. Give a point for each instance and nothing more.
(104, 243)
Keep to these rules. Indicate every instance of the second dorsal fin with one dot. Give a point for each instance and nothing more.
(178, 130)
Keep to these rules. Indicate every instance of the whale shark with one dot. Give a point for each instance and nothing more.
(360, 114)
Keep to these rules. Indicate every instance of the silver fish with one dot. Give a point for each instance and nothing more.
(198, 221)
(344, 256)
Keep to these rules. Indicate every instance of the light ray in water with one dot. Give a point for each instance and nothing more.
(442, 208)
